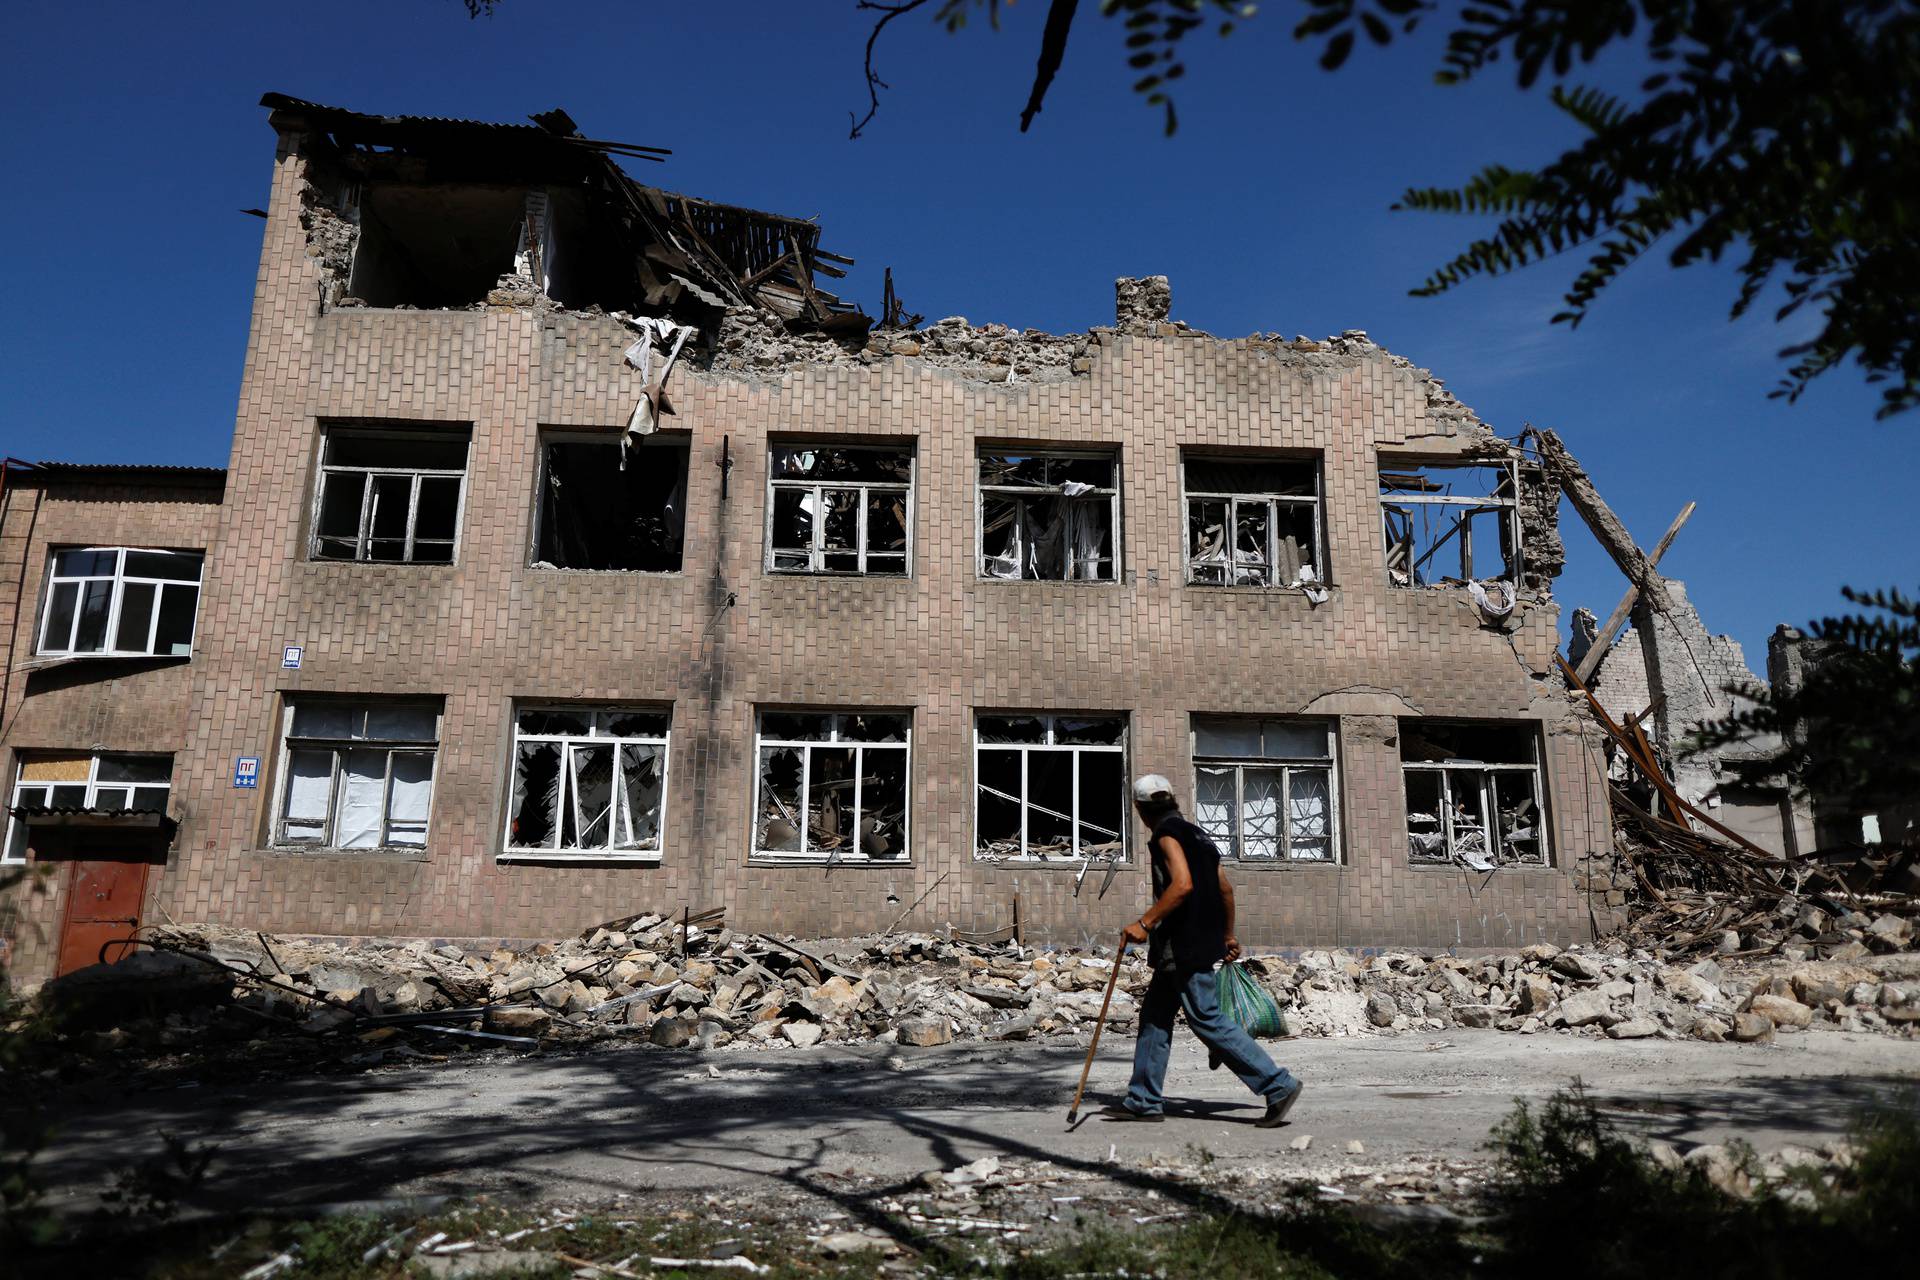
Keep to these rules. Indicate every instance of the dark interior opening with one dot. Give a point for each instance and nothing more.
(595, 514)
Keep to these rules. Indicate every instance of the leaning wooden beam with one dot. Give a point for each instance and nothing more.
(1618, 618)
(1640, 754)
(1606, 526)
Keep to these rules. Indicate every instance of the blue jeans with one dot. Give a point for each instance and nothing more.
(1166, 995)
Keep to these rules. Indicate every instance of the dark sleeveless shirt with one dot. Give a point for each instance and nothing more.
(1194, 936)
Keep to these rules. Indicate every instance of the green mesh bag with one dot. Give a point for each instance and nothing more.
(1243, 999)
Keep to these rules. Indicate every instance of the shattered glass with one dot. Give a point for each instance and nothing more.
(536, 795)
(778, 829)
(642, 774)
(1102, 788)
(830, 800)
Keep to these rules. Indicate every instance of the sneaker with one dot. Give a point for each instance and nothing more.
(1277, 1109)
(1121, 1113)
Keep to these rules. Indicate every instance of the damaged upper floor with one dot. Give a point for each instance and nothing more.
(432, 213)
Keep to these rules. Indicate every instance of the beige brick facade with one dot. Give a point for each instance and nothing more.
(135, 705)
(724, 637)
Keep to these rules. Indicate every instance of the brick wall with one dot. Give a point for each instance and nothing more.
(86, 704)
(490, 630)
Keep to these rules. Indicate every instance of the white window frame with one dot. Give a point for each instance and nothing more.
(1488, 808)
(1051, 721)
(120, 580)
(1029, 491)
(329, 842)
(16, 826)
(1234, 501)
(833, 741)
(817, 553)
(363, 540)
(1330, 765)
(1402, 504)
(568, 742)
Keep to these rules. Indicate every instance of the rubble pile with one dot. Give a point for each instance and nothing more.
(754, 341)
(668, 983)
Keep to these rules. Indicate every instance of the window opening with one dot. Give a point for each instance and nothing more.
(357, 775)
(121, 601)
(840, 509)
(391, 497)
(1266, 790)
(1049, 517)
(832, 787)
(1252, 522)
(602, 507)
(1473, 795)
(1050, 788)
(435, 245)
(1447, 523)
(588, 783)
(77, 780)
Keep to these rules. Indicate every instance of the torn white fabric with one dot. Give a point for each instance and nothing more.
(1309, 582)
(654, 331)
(1074, 488)
(1491, 609)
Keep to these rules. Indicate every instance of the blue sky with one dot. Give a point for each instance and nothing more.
(136, 141)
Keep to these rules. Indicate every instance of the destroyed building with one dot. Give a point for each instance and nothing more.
(581, 552)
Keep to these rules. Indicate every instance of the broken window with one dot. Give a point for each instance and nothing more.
(1473, 794)
(82, 780)
(1252, 522)
(435, 245)
(392, 497)
(1449, 523)
(1265, 790)
(121, 601)
(1050, 787)
(606, 503)
(587, 782)
(832, 787)
(840, 509)
(357, 775)
(1049, 516)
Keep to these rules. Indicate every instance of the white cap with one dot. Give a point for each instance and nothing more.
(1149, 785)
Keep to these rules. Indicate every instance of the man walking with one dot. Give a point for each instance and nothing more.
(1189, 929)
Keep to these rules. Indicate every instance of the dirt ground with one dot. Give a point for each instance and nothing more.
(674, 1126)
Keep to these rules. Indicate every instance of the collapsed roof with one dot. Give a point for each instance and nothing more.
(627, 245)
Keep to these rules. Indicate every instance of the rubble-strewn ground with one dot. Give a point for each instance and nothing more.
(762, 1081)
(963, 1141)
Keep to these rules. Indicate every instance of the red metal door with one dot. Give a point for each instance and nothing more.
(103, 903)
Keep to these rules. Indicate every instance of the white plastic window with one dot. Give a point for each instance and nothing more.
(1266, 790)
(832, 787)
(357, 775)
(1050, 788)
(840, 509)
(106, 783)
(389, 496)
(588, 783)
(1052, 516)
(1252, 522)
(1473, 795)
(121, 601)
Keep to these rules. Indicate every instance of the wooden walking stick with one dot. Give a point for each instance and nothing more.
(1073, 1112)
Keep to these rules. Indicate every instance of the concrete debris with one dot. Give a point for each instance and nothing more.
(366, 1002)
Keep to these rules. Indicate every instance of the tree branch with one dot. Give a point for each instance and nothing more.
(887, 12)
(1053, 49)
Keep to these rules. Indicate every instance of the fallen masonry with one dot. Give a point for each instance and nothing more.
(655, 981)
